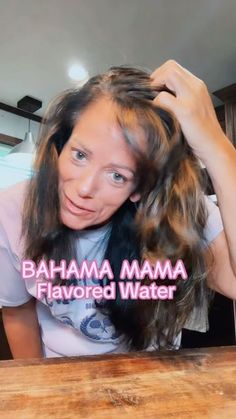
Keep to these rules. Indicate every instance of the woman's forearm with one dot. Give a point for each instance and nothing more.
(221, 166)
(22, 330)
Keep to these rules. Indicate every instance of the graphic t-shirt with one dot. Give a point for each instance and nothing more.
(70, 327)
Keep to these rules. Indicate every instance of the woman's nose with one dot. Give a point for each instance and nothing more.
(87, 184)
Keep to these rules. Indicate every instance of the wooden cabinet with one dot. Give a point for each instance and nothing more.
(227, 113)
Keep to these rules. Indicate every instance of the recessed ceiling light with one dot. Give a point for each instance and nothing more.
(78, 73)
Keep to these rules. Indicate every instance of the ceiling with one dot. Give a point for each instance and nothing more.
(41, 39)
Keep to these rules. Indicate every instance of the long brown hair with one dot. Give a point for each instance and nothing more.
(168, 222)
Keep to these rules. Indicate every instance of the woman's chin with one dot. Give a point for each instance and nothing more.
(73, 222)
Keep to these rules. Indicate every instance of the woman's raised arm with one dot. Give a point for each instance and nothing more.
(192, 106)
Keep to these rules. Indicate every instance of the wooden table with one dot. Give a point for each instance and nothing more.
(199, 383)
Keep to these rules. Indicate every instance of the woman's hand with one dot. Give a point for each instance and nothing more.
(192, 106)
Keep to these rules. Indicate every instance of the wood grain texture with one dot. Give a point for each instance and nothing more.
(20, 112)
(230, 121)
(228, 96)
(196, 383)
(8, 140)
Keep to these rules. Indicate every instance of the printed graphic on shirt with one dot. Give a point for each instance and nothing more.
(99, 328)
(94, 326)
(67, 320)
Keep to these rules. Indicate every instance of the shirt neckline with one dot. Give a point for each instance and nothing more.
(96, 233)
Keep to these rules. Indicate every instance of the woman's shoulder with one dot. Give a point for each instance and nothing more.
(11, 210)
(12, 199)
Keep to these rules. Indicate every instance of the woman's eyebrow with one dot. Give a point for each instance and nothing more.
(122, 166)
(76, 144)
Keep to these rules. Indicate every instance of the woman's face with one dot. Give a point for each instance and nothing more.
(96, 169)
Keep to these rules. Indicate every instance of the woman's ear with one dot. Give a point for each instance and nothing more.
(135, 197)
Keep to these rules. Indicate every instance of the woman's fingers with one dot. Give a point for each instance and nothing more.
(168, 101)
(169, 68)
(176, 78)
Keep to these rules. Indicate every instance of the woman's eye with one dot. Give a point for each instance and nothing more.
(78, 155)
(118, 178)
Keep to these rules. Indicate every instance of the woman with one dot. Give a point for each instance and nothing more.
(116, 179)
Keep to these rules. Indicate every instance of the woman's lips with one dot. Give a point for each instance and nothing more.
(75, 209)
